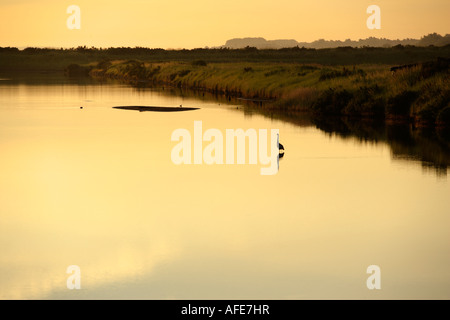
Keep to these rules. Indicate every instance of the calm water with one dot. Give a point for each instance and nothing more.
(96, 187)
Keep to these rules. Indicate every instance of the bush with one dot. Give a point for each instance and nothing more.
(75, 70)
(400, 104)
(366, 101)
(332, 101)
(443, 118)
(181, 73)
(274, 72)
(327, 74)
(153, 72)
(433, 67)
(184, 73)
(305, 69)
(135, 70)
(200, 63)
(104, 65)
(433, 98)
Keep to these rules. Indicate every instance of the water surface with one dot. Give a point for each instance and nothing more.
(96, 187)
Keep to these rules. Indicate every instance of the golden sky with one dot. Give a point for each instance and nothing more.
(200, 23)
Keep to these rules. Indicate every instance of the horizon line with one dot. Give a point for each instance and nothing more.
(21, 48)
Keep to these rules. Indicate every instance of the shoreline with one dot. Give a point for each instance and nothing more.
(400, 84)
(418, 94)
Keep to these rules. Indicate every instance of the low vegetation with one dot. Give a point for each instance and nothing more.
(418, 93)
(399, 84)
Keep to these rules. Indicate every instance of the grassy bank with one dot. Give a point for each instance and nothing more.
(418, 93)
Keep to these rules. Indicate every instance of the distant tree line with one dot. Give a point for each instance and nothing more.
(54, 59)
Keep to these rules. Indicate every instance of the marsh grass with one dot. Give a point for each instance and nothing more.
(353, 81)
(420, 92)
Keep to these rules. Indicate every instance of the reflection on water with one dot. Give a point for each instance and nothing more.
(427, 146)
(96, 187)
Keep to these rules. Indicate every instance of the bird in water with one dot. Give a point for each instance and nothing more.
(280, 147)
